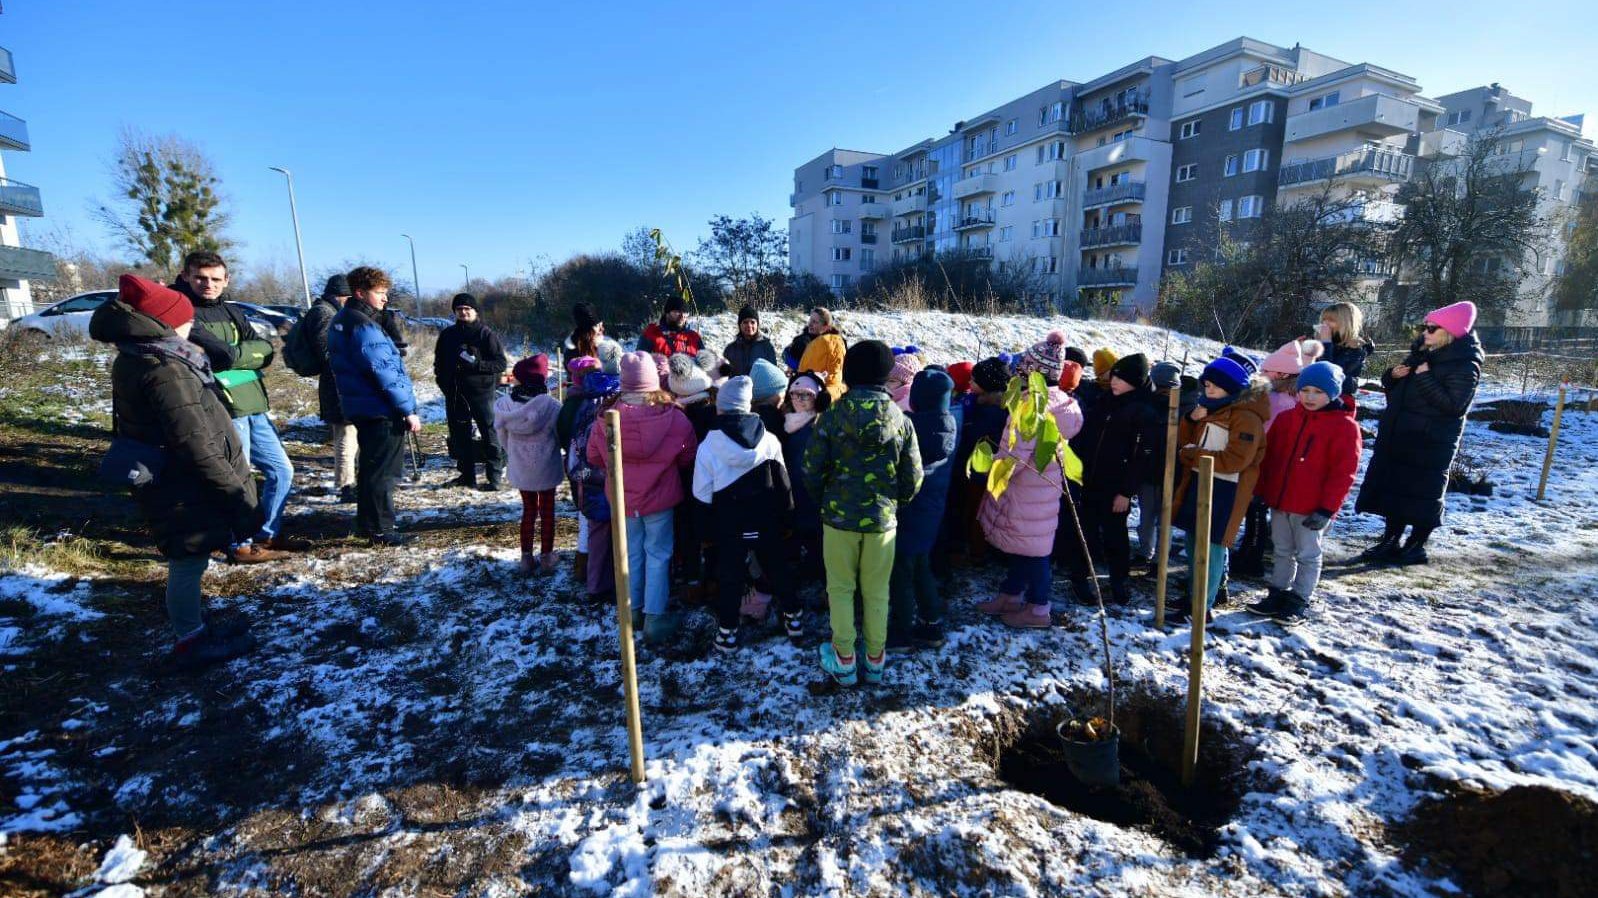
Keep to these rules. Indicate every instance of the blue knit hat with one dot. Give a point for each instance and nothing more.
(1226, 373)
(1323, 376)
(768, 380)
(1246, 362)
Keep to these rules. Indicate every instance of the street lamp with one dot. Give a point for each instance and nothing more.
(467, 286)
(299, 247)
(416, 279)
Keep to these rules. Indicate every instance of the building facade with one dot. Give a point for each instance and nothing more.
(17, 265)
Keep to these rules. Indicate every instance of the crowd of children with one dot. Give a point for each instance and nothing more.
(851, 468)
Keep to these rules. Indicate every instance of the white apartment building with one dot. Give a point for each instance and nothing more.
(17, 265)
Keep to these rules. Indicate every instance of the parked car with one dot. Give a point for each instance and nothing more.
(268, 323)
(293, 312)
(67, 318)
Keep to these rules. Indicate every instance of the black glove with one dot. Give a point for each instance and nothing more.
(1318, 520)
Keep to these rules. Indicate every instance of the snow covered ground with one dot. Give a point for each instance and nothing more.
(431, 723)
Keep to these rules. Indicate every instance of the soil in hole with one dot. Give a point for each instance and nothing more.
(1482, 841)
(1150, 796)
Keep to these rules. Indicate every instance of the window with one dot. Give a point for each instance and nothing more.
(840, 282)
(1225, 213)
(1327, 100)
(1005, 233)
(1048, 190)
(1011, 126)
(1251, 207)
(1256, 160)
(1231, 165)
(1187, 172)
(835, 198)
(868, 259)
(1176, 257)
(1190, 129)
(1122, 135)
(1009, 162)
(1050, 113)
(867, 198)
(1235, 121)
(1193, 86)
(1261, 112)
(868, 229)
(1046, 264)
(1007, 198)
(1181, 215)
(840, 254)
(1046, 227)
(834, 172)
(1051, 152)
(1459, 117)
(842, 226)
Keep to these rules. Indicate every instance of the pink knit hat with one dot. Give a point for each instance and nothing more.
(1292, 357)
(638, 374)
(905, 366)
(1046, 356)
(1457, 319)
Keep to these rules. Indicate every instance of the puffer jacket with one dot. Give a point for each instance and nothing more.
(1115, 443)
(532, 449)
(371, 376)
(668, 341)
(205, 493)
(937, 439)
(862, 462)
(318, 319)
(455, 375)
(824, 355)
(1023, 520)
(656, 441)
(806, 514)
(742, 353)
(1311, 458)
(1235, 435)
(1349, 358)
(739, 473)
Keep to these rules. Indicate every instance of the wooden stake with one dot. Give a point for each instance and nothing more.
(1164, 558)
(1553, 440)
(624, 613)
(1200, 550)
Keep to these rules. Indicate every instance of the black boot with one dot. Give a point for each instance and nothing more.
(1385, 550)
(492, 483)
(1082, 591)
(1268, 606)
(467, 480)
(1120, 592)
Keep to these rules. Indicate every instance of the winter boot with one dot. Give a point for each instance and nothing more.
(1223, 593)
(1003, 603)
(1381, 553)
(1031, 616)
(1182, 612)
(529, 564)
(206, 647)
(1120, 592)
(928, 634)
(1411, 554)
(872, 673)
(793, 623)
(726, 640)
(660, 629)
(491, 483)
(840, 670)
(346, 495)
(466, 480)
(1270, 605)
(1082, 591)
(756, 606)
(546, 564)
(580, 567)
(1293, 610)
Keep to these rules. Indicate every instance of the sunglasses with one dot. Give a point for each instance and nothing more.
(1432, 328)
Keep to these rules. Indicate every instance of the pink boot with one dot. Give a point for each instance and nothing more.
(1003, 603)
(546, 564)
(1028, 617)
(755, 606)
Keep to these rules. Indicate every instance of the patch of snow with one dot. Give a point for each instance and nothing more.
(121, 863)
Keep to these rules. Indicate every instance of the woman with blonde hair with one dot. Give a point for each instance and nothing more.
(1341, 333)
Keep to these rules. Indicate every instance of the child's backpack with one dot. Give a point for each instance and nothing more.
(299, 352)
(587, 480)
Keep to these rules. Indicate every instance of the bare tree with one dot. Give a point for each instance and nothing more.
(1577, 288)
(742, 251)
(168, 200)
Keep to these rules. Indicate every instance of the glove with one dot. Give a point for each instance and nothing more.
(467, 357)
(1318, 520)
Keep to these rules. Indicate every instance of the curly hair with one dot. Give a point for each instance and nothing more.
(369, 278)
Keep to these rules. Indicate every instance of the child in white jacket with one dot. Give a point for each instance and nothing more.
(525, 423)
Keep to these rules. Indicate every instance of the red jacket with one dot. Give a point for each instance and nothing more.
(669, 342)
(1311, 458)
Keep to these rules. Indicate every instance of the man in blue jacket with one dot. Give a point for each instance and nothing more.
(377, 398)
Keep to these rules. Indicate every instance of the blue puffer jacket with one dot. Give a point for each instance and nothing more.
(937, 437)
(367, 367)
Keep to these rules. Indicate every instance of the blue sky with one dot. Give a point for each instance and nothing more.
(498, 132)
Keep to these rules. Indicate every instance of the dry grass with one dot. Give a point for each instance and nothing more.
(65, 552)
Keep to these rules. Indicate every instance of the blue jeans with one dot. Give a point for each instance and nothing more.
(1031, 577)
(265, 451)
(650, 541)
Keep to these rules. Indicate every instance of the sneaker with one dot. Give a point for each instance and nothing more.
(1029, 617)
(1003, 603)
(872, 673)
(841, 672)
(281, 543)
(346, 495)
(726, 640)
(388, 540)
(206, 647)
(793, 623)
(250, 553)
(1293, 611)
(1268, 606)
(928, 635)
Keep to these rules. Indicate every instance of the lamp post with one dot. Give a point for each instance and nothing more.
(299, 247)
(466, 286)
(416, 279)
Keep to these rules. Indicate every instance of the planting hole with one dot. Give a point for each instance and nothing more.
(1528, 840)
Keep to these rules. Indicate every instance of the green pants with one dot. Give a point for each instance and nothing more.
(866, 560)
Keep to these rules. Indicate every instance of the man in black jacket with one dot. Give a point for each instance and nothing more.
(341, 433)
(468, 362)
(750, 344)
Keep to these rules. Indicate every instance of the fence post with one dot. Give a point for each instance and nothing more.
(1553, 441)
(624, 614)
(1200, 550)
(1164, 559)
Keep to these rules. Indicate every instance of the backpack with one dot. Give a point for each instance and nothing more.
(588, 481)
(299, 352)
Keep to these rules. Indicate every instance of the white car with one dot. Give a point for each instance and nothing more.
(67, 318)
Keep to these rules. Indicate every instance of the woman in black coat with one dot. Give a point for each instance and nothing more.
(1427, 398)
(166, 402)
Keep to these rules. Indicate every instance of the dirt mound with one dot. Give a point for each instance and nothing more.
(1526, 841)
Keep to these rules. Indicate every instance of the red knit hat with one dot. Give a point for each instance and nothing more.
(530, 367)
(960, 373)
(164, 304)
(1070, 375)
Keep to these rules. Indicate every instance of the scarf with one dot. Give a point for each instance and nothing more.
(1215, 405)
(175, 348)
(793, 422)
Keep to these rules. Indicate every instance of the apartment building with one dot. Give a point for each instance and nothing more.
(17, 265)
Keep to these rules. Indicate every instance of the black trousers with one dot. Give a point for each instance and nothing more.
(732, 571)
(463, 407)
(1106, 534)
(377, 468)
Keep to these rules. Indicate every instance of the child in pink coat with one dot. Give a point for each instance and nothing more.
(524, 420)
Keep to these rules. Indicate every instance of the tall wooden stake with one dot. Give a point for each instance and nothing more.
(1200, 550)
(1164, 559)
(624, 614)
(1553, 440)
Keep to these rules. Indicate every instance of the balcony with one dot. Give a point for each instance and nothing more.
(18, 264)
(910, 205)
(1125, 192)
(1270, 74)
(914, 174)
(8, 70)
(17, 198)
(793, 199)
(1125, 276)
(1368, 164)
(1372, 116)
(1114, 235)
(868, 183)
(1372, 212)
(868, 238)
(973, 220)
(13, 133)
(978, 151)
(910, 233)
(872, 210)
(1107, 115)
(976, 185)
(972, 253)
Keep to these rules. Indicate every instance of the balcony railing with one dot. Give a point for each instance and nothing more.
(1125, 192)
(1386, 165)
(13, 133)
(868, 238)
(1373, 116)
(974, 220)
(1100, 116)
(793, 199)
(1107, 277)
(907, 234)
(978, 151)
(8, 71)
(983, 253)
(1273, 74)
(873, 210)
(17, 198)
(18, 264)
(910, 205)
(1114, 235)
(910, 177)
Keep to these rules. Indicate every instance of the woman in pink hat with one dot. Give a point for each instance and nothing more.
(1428, 395)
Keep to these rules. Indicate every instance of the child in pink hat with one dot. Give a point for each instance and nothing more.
(1282, 368)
